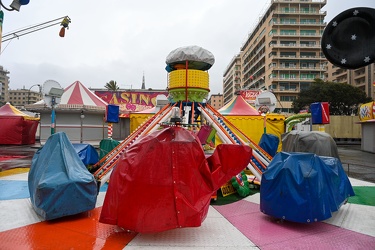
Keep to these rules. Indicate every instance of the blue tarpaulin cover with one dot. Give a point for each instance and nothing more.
(87, 153)
(59, 182)
(269, 143)
(303, 187)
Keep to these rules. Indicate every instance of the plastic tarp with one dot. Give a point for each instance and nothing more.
(303, 187)
(269, 143)
(316, 142)
(197, 57)
(106, 146)
(164, 181)
(87, 153)
(59, 182)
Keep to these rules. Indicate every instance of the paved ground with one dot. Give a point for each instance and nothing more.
(356, 163)
(239, 225)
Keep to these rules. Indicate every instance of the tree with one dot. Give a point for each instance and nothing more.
(343, 99)
(112, 85)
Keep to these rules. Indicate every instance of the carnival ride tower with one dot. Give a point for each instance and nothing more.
(188, 78)
(188, 88)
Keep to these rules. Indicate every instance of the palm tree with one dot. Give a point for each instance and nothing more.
(112, 85)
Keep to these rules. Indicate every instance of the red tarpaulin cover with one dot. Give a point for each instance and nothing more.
(164, 181)
(16, 127)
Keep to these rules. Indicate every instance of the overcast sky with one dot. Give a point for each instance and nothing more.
(121, 40)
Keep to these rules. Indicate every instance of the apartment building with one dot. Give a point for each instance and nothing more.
(216, 101)
(232, 79)
(283, 53)
(4, 83)
(362, 78)
(21, 97)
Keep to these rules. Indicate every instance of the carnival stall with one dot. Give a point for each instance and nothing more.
(16, 127)
(247, 119)
(79, 113)
(367, 121)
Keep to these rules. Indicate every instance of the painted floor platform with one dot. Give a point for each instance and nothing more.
(239, 225)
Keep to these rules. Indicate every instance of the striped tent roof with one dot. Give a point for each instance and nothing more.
(238, 106)
(78, 94)
(9, 110)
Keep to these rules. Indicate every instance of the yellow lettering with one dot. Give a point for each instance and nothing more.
(134, 98)
(144, 98)
(125, 96)
(153, 101)
(114, 99)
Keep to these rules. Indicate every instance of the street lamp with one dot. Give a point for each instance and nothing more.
(28, 94)
(15, 5)
(82, 116)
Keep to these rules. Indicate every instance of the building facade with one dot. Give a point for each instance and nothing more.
(21, 97)
(232, 79)
(4, 84)
(216, 101)
(362, 78)
(283, 52)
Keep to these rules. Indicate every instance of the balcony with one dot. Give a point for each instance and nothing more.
(323, 24)
(296, 45)
(301, 12)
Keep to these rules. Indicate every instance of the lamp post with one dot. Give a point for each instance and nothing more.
(28, 94)
(82, 116)
(15, 5)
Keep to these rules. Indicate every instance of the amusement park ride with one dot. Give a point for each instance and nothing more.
(163, 175)
(188, 86)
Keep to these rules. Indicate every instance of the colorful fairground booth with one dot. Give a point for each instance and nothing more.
(367, 121)
(77, 111)
(16, 127)
(250, 121)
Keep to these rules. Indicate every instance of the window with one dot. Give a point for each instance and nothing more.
(288, 43)
(272, 32)
(308, 54)
(308, 32)
(288, 32)
(308, 43)
(308, 21)
(287, 98)
(288, 54)
(288, 21)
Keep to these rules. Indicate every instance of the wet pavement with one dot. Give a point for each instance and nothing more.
(357, 164)
(238, 225)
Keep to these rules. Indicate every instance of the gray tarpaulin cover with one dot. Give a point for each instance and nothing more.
(198, 57)
(319, 143)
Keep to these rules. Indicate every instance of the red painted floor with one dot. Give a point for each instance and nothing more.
(82, 231)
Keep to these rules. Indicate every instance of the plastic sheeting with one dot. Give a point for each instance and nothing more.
(316, 142)
(164, 181)
(269, 143)
(59, 182)
(303, 187)
(106, 146)
(87, 153)
(197, 57)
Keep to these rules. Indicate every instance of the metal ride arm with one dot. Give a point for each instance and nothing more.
(255, 146)
(108, 162)
(259, 154)
(31, 29)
